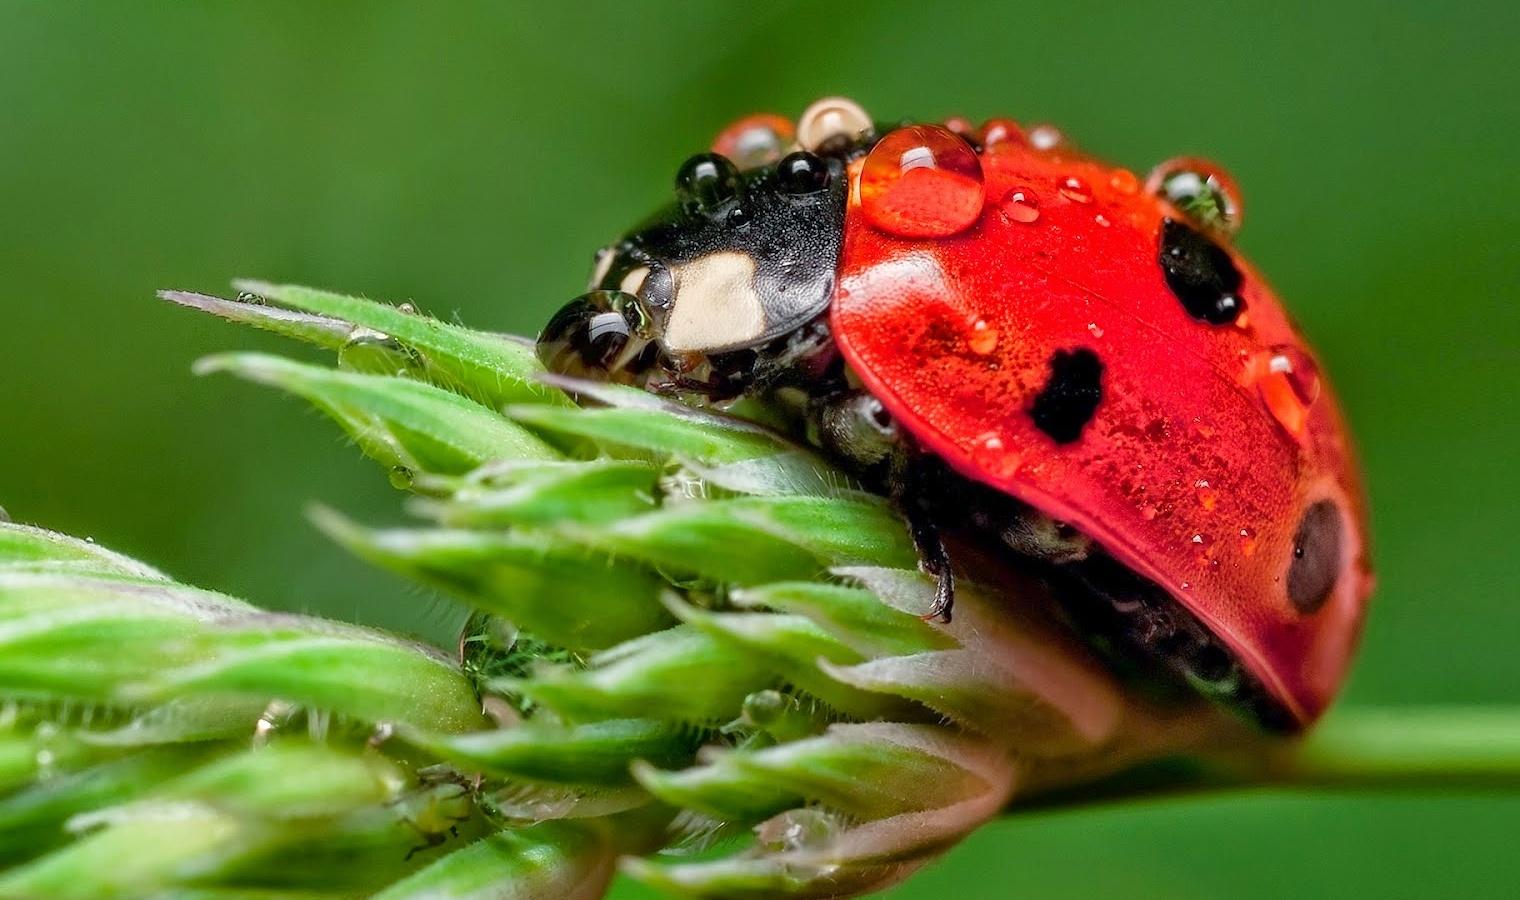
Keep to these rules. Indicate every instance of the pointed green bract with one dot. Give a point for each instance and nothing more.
(322, 331)
(570, 860)
(23, 548)
(491, 368)
(565, 594)
(401, 423)
(596, 753)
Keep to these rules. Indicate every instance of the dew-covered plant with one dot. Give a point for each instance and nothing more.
(696, 657)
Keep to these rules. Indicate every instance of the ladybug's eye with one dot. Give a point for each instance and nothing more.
(706, 182)
(1316, 557)
(601, 335)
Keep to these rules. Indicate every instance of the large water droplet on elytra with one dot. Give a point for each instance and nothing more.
(922, 181)
(755, 141)
(1020, 205)
(1288, 382)
(1202, 190)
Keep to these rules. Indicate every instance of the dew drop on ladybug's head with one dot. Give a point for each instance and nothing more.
(831, 122)
(706, 182)
(602, 335)
(755, 141)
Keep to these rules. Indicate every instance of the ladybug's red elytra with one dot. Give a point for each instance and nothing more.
(1028, 346)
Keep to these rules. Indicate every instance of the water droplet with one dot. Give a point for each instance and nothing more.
(1247, 541)
(1148, 512)
(996, 133)
(1208, 498)
(962, 127)
(1101, 220)
(1186, 586)
(601, 335)
(801, 173)
(990, 442)
(1288, 382)
(1124, 182)
(755, 141)
(831, 120)
(922, 181)
(1198, 539)
(375, 352)
(798, 829)
(1046, 137)
(1094, 329)
(706, 181)
(401, 478)
(983, 339)
(1020, 205)
(1200, 189)
(408, 307)
(1076, 190)
(251, 297)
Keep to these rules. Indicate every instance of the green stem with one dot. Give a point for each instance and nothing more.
(1445, 747)
(1436, 748)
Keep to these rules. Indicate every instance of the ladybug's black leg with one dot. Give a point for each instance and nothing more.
(915, 488)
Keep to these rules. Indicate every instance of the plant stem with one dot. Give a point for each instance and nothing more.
(1437, 747)
(1434, 749)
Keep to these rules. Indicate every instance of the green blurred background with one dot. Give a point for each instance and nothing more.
(470, 158)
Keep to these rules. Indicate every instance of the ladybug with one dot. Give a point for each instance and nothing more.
(1028, 347)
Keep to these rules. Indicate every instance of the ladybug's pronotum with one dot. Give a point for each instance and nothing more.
(1026, 346)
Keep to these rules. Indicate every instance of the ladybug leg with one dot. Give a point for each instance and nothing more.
(915, 489)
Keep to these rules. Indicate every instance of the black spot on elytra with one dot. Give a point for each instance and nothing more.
(1200, 273)
(1316, 557)
(1068, 400)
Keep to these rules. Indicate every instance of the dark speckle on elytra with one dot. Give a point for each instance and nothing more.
(1071, 396)
(1200, 273)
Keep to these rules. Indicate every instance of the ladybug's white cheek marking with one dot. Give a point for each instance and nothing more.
(716, 306)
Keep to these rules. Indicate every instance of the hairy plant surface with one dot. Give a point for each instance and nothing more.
(697, 657)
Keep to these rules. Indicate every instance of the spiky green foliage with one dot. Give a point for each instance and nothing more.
(697, 657)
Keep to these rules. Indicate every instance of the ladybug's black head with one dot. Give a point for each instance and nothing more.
(746, 254)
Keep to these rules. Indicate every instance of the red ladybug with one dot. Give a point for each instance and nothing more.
(1029, 347)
